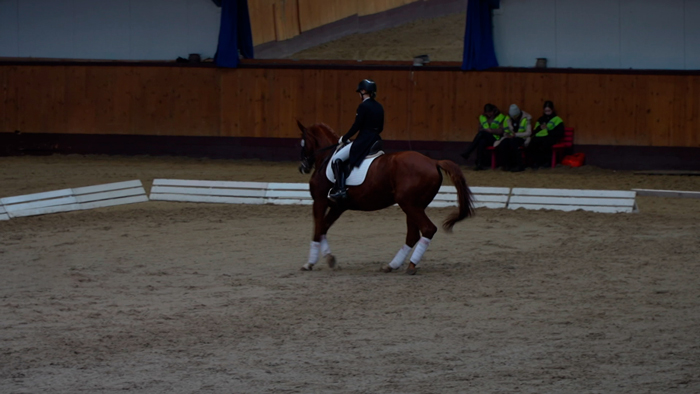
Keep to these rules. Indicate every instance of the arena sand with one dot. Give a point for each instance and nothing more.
(164, 297)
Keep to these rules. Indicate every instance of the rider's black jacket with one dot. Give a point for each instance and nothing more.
(369, 121)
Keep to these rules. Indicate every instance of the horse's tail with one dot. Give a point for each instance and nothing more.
(464, 195)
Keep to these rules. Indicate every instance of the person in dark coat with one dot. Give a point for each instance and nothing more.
(369, 122)
(548, 130)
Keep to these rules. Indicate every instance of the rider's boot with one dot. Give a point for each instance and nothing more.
(338, 193)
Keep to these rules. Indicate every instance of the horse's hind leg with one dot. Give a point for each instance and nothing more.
(427, 230)
(412, 236)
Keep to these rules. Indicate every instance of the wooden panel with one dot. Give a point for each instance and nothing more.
(368, 7)
(284, 19)
(685, 103)
(315, 13)
(468, 104)
(40, 98)
(8, 99)
(659, 113)
(612, 125)
(424, 105)
(308, 92)
(286, 14)
(174, 101)
(262, 20)
(231, 103)
(252, 103)
(288, 103)
(691, 115)
(101, 100)
(394, 92)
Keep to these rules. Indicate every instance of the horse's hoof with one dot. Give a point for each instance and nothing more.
(386, 269)
(330, 260)
(307, 267)
(412, 269)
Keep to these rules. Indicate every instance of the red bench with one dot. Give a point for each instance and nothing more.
(566, 142)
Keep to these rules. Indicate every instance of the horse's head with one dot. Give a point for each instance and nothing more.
(316, 143)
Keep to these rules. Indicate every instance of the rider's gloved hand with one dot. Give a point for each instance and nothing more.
(341, 141)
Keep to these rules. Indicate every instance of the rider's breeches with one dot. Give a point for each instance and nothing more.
(344, 153)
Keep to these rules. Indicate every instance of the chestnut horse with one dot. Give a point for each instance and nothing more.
(407, 178)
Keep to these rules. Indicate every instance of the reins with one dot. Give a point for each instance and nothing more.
(326, 148)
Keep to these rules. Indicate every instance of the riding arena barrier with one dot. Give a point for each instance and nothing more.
(74, 199)
(484, 197)
(292, 193)
(667, 193)
(231, 192)
(234, 192)
(604, 201)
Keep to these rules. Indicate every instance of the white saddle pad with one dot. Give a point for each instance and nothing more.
(358, 174)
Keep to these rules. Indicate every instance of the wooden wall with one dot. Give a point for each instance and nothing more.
(437, 105)
(277, 20)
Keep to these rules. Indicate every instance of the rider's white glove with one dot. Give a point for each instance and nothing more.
(341, 142)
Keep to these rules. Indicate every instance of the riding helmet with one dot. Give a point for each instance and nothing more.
(367, 85)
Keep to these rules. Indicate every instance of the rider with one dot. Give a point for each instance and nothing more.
(369, 121)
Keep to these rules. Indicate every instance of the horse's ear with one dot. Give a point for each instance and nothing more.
(301, 127)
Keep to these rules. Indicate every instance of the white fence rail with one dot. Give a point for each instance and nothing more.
(79, 198)
(230, 192)
(604, 201)
(484, 197)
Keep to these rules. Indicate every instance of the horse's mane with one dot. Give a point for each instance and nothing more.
(321, 135)
(323, 128)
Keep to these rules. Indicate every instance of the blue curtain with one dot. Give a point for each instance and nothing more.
(234, 33)
(479, 53)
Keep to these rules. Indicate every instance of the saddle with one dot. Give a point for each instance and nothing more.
(358, 174)
(376, 148)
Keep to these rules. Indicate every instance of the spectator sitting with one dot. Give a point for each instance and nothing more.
(492, 125)
(519, 122)
(549, 129)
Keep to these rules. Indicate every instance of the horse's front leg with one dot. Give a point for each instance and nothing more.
(322, 222)
(328, 221)
(319, 210)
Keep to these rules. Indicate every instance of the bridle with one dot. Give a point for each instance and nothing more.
(308, 161)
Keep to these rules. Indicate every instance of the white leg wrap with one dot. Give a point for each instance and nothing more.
(325, 248)
(400, 257)
(313, 252)
(421, 247)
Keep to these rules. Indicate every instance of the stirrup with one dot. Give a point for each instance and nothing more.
(337, 195)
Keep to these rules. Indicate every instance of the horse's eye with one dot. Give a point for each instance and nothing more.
(302, 143)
